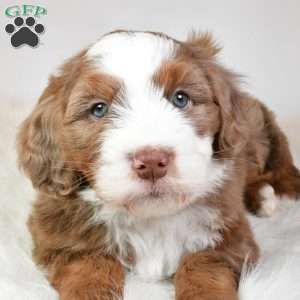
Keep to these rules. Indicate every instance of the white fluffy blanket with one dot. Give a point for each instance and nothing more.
(275, 278)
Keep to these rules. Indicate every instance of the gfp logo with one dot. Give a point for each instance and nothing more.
(25, 30)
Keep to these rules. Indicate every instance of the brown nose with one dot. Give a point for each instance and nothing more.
(151, 163)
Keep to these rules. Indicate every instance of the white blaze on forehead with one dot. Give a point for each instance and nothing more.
(146, 118)
(132, 57)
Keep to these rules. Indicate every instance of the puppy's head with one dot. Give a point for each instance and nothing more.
(141, 118)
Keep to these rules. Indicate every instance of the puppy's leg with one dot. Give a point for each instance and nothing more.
(262, 196)
(277, 177)
(91, 277)
(286, 181)
(285, 177)
(205, 276)
(214, 274)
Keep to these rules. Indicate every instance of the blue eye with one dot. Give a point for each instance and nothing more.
(98, 110)
(180, 99)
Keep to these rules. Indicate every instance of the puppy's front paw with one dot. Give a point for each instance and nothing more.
(92, 277)
(205, 276)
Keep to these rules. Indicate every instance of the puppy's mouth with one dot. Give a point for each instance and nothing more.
(155, 193)
(157, 202)
(153, 199)
(157, 188)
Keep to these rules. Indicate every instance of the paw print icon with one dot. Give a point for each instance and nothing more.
(24, 32)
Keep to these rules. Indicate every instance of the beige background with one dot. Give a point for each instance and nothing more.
(261, 40)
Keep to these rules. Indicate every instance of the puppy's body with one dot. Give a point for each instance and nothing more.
(144, 151)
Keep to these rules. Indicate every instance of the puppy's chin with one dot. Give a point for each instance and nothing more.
(151, 206)
(152, 201)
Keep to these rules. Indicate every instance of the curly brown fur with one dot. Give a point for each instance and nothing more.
(58, 148)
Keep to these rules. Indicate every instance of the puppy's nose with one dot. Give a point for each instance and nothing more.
(151, 163)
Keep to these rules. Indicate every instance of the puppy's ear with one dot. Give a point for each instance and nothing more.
(38, 151)
(39, 141)
(233, 133)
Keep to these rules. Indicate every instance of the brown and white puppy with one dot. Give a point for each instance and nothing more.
(143, 151)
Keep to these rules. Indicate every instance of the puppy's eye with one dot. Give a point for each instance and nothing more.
(180, 99)
(98, 110)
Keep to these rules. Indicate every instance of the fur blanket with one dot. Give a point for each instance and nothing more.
(275, 278)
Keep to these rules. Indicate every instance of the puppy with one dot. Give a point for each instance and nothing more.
(144, 152)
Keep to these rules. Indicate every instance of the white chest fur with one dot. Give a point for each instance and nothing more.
(159, 244)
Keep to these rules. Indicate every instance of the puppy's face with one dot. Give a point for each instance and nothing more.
(139, 121)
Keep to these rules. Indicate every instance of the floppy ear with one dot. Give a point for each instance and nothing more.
(39, 141)
(233, 133)
(39, 154)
